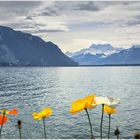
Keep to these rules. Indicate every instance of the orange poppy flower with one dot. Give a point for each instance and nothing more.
(3, 120)
(13, 112)
(4, 114)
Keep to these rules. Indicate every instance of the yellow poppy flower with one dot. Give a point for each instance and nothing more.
(82, 104)
(37, 116)
(109, 110)
(78, 106)
(90, 101)
(46, 112)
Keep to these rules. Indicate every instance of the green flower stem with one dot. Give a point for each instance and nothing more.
(117, 133)
(101, 125)
(2, 123)
(109, 125)
(92, 137)
(19, 133)
(118, 136)
(44, 128)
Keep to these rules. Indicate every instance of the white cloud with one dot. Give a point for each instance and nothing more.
(77, 24)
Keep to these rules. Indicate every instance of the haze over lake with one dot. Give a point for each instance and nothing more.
(33, 88)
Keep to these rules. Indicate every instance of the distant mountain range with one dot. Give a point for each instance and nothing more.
(94, 49)
(105, 54)
(23, 49)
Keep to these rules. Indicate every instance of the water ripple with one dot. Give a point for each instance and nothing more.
(31, 89)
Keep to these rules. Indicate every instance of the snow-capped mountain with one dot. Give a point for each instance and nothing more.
(87, 59)
(22, 49)
(106, 54)
(105, 49)
(126, 56)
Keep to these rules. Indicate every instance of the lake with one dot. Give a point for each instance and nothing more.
(33, 88)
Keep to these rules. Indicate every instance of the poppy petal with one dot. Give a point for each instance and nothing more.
(6, 112)
(13, 112)
(77, 106)
(109, 110)
(46, 112)
(3, 120)
(90, 101)
(37, 116)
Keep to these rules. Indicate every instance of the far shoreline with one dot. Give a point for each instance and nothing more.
(106, 65)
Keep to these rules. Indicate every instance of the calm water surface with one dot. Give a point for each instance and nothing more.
(31, 89)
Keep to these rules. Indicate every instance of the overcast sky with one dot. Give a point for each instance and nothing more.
(75, 25)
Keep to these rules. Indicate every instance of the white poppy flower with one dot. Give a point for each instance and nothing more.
(110, 101)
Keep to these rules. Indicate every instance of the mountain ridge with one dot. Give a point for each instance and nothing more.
(121, 56)
(23, 49)
(105, 49)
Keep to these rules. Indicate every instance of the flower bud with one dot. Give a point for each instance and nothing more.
(137, 135)
(19, 122)
(117, 132)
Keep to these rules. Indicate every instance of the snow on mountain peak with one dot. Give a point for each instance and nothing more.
(94, 49)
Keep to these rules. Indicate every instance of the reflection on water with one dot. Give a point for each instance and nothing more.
(31, 89)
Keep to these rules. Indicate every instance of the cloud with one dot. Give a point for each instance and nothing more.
(28, 18)
(48, 13)
(18, 7)
(75, 21)
(137, 17)
(89, 6)
(37, 27)
(133, 23)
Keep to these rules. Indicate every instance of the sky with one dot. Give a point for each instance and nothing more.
(74, 25)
